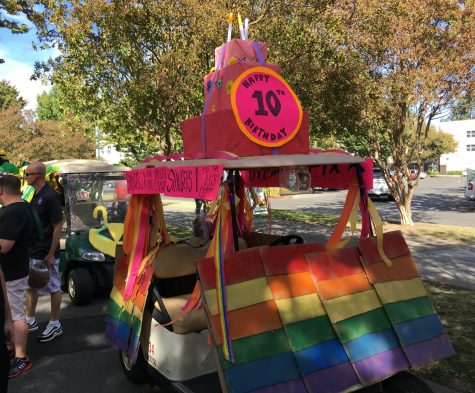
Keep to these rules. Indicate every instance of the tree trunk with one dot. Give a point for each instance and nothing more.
(405, 212)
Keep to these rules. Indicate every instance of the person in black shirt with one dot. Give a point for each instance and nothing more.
(16, 235)
(47, 204)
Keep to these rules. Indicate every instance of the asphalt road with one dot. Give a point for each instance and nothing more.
(83, 361)
(437, 200)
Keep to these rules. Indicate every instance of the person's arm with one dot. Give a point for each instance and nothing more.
(57, 228)
(6, 245)
(8, 314)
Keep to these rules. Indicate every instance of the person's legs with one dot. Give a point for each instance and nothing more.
(20, 339)
(16, 298)
(56, 299)
(53, 329)
(31, 302)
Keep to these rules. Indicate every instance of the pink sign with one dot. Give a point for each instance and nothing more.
(199, 182)
(265, 107)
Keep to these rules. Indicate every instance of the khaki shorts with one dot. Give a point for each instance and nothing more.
(54, 283)
(16, 297)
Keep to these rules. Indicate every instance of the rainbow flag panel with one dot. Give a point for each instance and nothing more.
(303, 319)
(406, 301)
(124, 318)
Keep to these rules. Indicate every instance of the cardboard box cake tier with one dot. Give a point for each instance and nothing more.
(220, 94)
(223, 134)
(239, 50)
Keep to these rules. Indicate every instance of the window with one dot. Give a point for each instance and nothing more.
(470, 147)
(471, 134)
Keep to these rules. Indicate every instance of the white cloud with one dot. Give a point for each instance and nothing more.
(18, 74)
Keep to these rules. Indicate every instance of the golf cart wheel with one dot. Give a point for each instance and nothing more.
(137, 372)
(405, 382)
(80, 288)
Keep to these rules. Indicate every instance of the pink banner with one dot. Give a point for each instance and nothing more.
(199, 182)
(325, 176)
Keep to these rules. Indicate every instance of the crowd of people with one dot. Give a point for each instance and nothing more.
(20, 250)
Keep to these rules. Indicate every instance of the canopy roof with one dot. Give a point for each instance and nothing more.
(84, 166)
(256, 162)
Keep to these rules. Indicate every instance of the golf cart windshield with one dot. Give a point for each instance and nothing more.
(85, 192)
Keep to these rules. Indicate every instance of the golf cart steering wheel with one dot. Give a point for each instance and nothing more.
(286, 240)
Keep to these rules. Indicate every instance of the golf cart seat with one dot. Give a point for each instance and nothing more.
(179, 260)
(194, 321)
(175, 278)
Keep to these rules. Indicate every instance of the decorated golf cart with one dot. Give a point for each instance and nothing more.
(96, 200)
(240, 311)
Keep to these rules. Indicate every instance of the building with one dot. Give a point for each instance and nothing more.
(109, 154)
(463, 132)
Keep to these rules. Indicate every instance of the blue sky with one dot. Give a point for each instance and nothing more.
(19, 56)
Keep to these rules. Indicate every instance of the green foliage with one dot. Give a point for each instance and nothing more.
(433, 173)
(16, 8)
(464, 108)
(48, 107)
(438, 143)
(455, 173)
(372, 74)
(9, 96)
(455, 309)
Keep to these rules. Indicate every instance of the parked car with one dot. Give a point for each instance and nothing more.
(470, 191)
(380, 187)
(414, 174)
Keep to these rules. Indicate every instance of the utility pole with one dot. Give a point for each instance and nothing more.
(98, 140)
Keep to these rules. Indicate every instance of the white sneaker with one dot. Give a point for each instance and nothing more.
(50, 333)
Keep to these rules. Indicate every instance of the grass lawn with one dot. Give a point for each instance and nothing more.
(446, 232)
(456, 309)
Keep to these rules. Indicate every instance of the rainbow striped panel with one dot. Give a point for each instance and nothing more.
(124, 318)
(405, 299)
(357, 315)
(318, 352)
(302, 319)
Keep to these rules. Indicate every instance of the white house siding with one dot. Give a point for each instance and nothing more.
(463, 132)
(109, 154)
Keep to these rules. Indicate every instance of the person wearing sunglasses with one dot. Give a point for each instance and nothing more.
(47, 204)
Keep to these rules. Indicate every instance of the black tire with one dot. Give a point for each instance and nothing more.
(135, 373)
(80, 289)
(405, 382)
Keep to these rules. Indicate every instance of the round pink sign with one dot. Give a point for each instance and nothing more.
(265, 107)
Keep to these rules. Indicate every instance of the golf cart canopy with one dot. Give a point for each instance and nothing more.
(201, 178)
(84, 166)
(257, 162)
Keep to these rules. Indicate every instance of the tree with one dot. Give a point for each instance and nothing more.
(9, 96)
(51, 140)
(48, 107)
(438, 143)
(464, 108)
(12, 124)
(15, 8)
(416, 59)
(148, 78)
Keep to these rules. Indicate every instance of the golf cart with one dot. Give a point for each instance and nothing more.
(161, 336)
(96, 201)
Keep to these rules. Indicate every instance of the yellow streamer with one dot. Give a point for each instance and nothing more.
(378, 224)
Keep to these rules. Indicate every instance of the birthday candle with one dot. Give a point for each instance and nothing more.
(241, 29)
(246, 28)
(230, 25)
